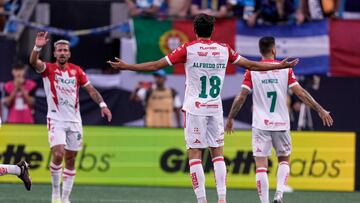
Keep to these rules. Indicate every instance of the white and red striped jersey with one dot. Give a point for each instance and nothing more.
(205, 64)
(269, 89)
(62, 91)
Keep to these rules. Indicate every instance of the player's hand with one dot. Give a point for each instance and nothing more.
(106, 112)
(288, 64)
(41, 39)
(326, 118)
(229, 126)
(118, 64)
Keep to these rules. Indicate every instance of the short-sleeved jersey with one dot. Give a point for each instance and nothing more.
(62, 91)
(269, 88)
(205, 64)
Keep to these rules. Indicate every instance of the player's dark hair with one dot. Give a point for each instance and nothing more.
(204, 25)
(266, 44)
(18, 66)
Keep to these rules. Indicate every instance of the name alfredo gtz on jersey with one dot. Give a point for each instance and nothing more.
(175, 160)
(209, 65)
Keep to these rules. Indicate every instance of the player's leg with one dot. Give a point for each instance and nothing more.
(57, 141)
(21, 169)
(194, 129)
(57, 156)
(220, 172)
(68, 175)
(215, 139)
(261, 144)
(282, 144)
(74, 141)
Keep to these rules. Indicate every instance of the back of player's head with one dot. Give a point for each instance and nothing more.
(18, 66)
(61, 41)
(266, 45)
(204, 25)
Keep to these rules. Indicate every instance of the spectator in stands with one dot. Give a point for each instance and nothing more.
(178, 8)
(246, 9)
(216, 8)
(281, 11)
(2, 15)
(160, 102)
(19, 96)
(144, 7)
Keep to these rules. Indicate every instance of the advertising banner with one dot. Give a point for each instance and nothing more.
(157, 157)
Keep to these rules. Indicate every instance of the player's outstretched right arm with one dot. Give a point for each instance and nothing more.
(258, 66)
(119, 64)
(40, 41)
(305, 97)
(235, 108)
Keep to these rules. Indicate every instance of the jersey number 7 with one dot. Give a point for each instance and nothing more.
(273, 97)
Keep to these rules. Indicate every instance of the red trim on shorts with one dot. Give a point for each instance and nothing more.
(184, 119)
(218, 159)
(49, 124)
(261, 171)
(194, 163)
(69, 174)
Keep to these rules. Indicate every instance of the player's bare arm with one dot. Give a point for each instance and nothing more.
(235, 108)
(97, 98)
(258, 66)
(305, 97)
(119, 64)
(40, 41)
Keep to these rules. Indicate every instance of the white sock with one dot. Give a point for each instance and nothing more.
(262, 184)
(68, 182)
(56, 171)
(9, 169)
(282, 176)
(198, 179)
(220, 176)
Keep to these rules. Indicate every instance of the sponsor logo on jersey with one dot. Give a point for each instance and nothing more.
(208, 48)
(172, 39)
(200, 105)
(65, 81)
(202, 53)
(268, 122)
(215, 53)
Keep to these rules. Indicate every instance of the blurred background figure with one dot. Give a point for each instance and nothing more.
(245, 9)
(160, 102)
(216, 8)
(20, 96)
(178, 8)
(144, 7)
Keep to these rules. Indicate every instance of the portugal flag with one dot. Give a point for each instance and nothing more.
(157, 38)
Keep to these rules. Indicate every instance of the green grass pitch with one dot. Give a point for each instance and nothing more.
(16, 193)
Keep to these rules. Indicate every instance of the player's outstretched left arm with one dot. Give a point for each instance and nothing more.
(119, 64)
(259, 66)
(97, 98)
(305, 97)
(235, 108)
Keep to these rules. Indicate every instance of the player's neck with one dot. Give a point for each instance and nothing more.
(62, 66)
(203, 38)
(267, 58)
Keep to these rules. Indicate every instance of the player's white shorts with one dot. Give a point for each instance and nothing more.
(203, 131)
(263, 141)
(65, 133)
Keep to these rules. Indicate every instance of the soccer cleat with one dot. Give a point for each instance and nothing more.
(56, 200)
(66, 201)
(24, 175)
(278, 197)
(221, 201)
